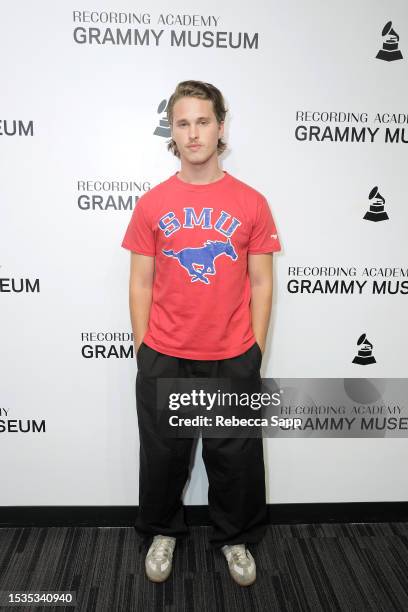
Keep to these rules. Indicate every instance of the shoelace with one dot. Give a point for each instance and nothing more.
(160, 550)
(239, 554)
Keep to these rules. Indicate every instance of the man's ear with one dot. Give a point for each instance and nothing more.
(221, 128)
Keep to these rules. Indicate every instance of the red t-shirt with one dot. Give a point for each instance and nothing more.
(200, 236)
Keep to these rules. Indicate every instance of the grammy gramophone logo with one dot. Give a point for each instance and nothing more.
(389, 51)
(364, 355)
(163, 129)
(376, 211)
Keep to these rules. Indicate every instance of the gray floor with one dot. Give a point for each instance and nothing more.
(357, 567)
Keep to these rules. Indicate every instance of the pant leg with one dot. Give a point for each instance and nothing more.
(236, 471)
(164, 461)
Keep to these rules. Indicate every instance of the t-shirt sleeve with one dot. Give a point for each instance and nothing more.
(264, 237)
(139, 236)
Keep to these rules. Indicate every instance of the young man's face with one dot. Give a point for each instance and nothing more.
(195, 130)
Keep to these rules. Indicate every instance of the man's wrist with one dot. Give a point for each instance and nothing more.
(138, 342)
(261, 344)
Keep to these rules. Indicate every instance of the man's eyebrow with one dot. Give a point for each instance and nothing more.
(198, 119)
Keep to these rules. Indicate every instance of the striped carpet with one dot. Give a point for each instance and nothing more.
(350, 567)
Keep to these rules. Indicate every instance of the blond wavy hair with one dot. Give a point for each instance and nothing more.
(203, 91)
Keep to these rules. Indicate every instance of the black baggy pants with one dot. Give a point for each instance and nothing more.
(234, 466)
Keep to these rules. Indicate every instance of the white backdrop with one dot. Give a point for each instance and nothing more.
(74, 113)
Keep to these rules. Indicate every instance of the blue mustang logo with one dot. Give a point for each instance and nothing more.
(200, 261)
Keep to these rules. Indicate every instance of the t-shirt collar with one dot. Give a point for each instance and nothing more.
(200, 187)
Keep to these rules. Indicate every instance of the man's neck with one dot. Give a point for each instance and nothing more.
(200, 175)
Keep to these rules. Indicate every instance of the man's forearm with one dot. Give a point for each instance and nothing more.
(261, 306)
(140, 300)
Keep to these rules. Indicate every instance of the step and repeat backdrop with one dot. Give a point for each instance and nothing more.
(317, 121)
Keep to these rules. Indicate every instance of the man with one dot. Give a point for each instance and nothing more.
(201, 247)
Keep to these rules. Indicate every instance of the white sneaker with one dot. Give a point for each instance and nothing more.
(159, 558)
(241, 564)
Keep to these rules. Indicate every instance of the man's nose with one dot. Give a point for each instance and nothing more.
(193, 132)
